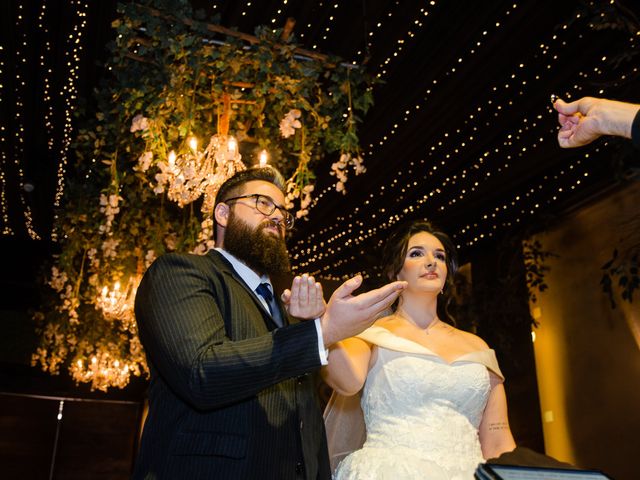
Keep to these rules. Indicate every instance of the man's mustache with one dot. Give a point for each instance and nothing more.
(272, 222)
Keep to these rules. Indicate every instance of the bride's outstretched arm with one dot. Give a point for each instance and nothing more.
(348, 366)
(495, 433)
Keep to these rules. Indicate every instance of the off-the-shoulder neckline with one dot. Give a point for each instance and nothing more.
(460, 358)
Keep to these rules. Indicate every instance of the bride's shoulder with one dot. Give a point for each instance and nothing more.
(390, 322)
(472, 339)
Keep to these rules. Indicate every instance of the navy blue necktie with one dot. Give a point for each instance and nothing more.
(264, 291)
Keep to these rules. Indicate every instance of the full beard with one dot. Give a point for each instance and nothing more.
(260, 250)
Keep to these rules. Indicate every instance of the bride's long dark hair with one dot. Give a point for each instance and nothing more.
(395, 251)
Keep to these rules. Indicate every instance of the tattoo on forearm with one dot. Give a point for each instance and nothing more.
(498, 426)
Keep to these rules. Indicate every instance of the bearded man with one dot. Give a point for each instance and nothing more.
(232, 393)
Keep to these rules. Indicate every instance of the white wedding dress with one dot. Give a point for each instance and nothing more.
(421, 413)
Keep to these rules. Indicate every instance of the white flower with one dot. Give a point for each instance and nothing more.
(92, 256)
(144, 162)
(139, 122)
(286, 130)
(205, 237)
(171, 241)
(149, 258)
(162, 179)
(113, 201)
(109, 206)
(288, 202)
(58, 279)
(358, 165)
(290, 122)
(203, 248)
(339, 169)
(109, 247)
(305, 201)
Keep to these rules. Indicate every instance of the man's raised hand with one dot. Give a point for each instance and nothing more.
(348, 315)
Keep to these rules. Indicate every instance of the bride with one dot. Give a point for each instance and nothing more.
(432, 396)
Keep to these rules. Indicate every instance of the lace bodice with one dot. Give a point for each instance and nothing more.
(421, 413)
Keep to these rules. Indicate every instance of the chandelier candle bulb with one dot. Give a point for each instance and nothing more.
(263, 158)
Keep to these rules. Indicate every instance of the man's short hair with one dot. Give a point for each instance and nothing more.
(232, 186)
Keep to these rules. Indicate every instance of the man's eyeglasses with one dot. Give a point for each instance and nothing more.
(266, 206)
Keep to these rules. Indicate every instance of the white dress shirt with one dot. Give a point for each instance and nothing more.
(252, 279)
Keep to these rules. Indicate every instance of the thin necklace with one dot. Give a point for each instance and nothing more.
(426, 330)
(435, 322)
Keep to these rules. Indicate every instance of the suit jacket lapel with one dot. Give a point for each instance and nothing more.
(225, 267)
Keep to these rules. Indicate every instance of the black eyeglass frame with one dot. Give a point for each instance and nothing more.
(289, 219)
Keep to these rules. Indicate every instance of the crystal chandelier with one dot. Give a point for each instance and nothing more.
(103, 364)
(117, 303)
(202, 172)
(102, 371)
(194, 173)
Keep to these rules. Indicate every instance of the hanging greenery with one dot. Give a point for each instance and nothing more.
(535, 258)
(625, 268)
(621, 273)
(175, 84)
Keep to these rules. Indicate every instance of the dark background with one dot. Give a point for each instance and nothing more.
(462, 132)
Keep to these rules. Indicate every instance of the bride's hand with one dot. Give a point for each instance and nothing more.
(305, 299)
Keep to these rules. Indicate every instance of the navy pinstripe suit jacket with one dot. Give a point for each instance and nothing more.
(231, 396)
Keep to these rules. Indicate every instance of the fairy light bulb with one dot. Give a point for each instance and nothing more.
(263, 158)
(172, 158)
(232, 145)
(193, 144)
